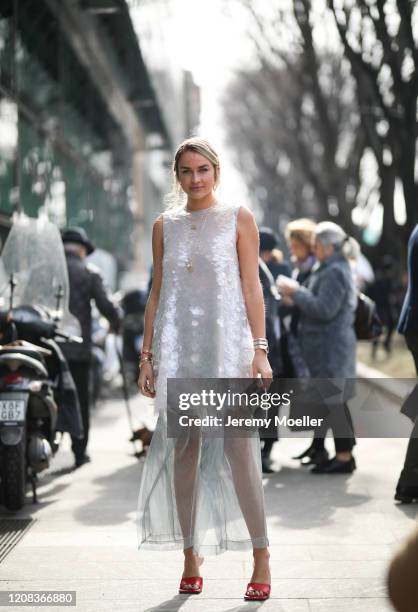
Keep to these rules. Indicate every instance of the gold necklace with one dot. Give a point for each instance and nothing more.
(189, 262)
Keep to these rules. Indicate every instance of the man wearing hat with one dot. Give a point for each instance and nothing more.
(271, 254)
(86, 284)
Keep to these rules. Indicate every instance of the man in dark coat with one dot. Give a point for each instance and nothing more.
(269, 267)
(407, 488)
(86, 284)
(271, 254)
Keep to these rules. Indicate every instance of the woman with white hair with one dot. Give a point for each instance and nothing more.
(327, 338)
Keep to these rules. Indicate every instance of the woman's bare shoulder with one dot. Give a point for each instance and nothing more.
(245, 214)
(245, 218)
(157, 226)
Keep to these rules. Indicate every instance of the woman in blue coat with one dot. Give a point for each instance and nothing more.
(327, 338)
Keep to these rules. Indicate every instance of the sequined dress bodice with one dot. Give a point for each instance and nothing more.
(201, 328)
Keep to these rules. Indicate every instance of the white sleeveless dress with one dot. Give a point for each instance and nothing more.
(208, 492)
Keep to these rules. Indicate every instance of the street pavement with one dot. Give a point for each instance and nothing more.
(331, 536)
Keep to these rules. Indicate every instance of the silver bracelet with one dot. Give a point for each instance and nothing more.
(261, 343)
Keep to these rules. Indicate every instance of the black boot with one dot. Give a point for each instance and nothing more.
(305, 453)
(335, 466)
(407, 487)
(406, 495)
(313, 455)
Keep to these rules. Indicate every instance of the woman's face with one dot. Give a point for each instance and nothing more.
(298, 249)
(196, 175)
(322, 252)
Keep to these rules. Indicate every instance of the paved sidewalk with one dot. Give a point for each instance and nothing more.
(331, 536)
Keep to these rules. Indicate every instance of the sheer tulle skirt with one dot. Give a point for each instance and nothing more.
(201, 492)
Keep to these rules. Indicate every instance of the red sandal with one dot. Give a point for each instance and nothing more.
(192, 586)
(252, 588)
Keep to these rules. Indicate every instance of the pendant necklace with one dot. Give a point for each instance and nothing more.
(192, 227)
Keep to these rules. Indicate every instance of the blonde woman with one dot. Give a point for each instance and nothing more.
(300, 238)
(204, 319)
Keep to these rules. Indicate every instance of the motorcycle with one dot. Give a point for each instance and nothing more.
(37, 394)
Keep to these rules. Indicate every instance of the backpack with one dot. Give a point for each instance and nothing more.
(367, 323)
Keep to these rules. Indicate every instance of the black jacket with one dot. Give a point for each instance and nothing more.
(408, 321)
(271, 300)
(86, 284)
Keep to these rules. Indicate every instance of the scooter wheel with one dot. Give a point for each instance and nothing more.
(13, 470)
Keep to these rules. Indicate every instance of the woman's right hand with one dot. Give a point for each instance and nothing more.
(286, 286)
(146, 380)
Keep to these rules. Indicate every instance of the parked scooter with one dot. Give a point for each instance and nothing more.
(37, 394)
(28, 410)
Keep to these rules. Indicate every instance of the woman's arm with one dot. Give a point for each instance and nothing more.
(154, 296)
(146, 376)
(247, 249)
(332, 293)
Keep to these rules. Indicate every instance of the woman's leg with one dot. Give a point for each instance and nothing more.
(344, 445)
(186, 462)
(248, 485)
(316, 450)
(342, 428)
(318, 443)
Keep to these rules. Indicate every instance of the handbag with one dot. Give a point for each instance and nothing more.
(367, 323)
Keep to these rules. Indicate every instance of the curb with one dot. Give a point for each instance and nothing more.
(397, 388)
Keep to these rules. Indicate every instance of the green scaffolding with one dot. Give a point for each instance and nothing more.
(70, 158)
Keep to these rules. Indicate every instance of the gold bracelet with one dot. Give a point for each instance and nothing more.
(146, 360)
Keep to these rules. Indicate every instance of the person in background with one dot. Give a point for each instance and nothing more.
(327, 339)
(271, 254)
(383, 292)
(86, 284)
(300, 236)
(407, 487)
(271, 301)
(271, 265)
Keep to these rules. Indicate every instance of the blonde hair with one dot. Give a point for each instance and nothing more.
(302, 230)
(331, 234)
(197, 145)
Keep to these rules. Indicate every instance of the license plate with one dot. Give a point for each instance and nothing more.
(12, 410)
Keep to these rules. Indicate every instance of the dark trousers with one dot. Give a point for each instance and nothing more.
(80, 372)
(341, 424)
(409, 474)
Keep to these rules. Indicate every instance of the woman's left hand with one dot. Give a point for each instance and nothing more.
(261, 368)
(287, 301)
